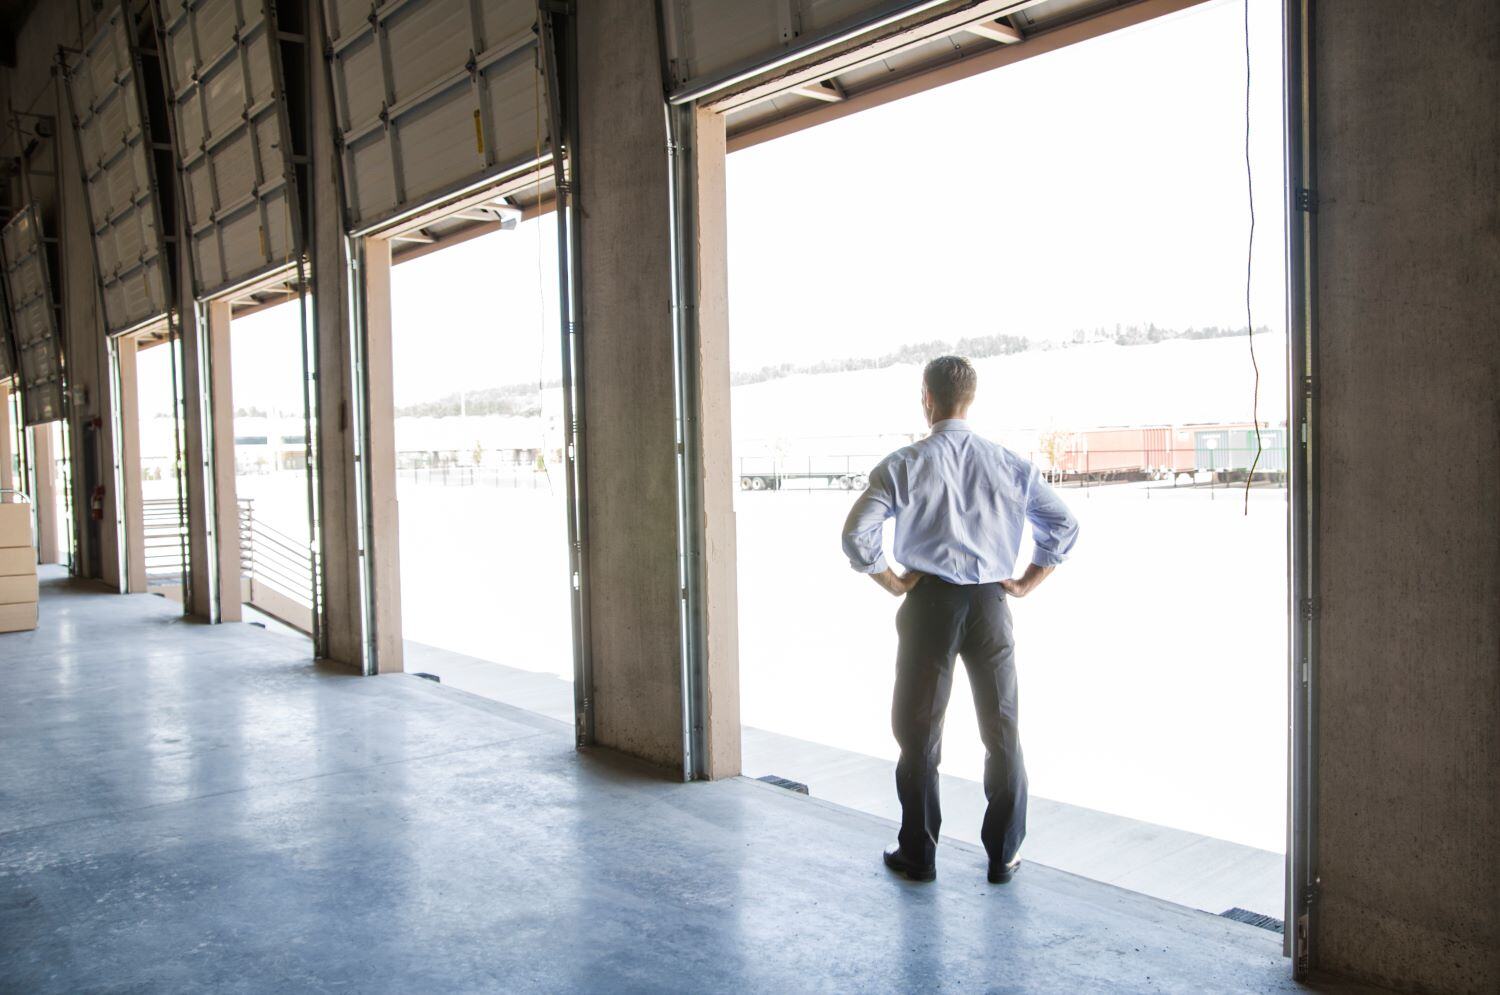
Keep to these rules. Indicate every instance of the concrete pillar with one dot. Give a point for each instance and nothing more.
(380, 460)
(130, 503)
(111, 546)
(45, 496)
(630, 371)
(712, 438)
(197, 454)
(226, 503)
(82, 336)
(627, 346)
(343, 639)
(7, 481)
(1407, 157)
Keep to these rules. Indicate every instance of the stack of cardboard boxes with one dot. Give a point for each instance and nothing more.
(17, 566)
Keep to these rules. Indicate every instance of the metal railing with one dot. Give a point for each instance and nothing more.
(520, 476)
(270, 557)
(164, 539)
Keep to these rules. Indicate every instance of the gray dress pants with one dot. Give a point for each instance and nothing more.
(937, 622)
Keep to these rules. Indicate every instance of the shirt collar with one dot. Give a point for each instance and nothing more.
(951, 425)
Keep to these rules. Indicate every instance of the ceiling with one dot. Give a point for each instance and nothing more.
(13, 14)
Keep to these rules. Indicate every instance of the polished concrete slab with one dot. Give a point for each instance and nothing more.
(186, 808)
(1186, 868)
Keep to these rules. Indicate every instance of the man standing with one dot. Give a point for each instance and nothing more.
(960, 504)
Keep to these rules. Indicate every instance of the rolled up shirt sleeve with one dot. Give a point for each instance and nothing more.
(1054, 530)
(866, 521)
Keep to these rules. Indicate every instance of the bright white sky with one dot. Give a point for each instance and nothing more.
(1101, 184)
(1097, 185)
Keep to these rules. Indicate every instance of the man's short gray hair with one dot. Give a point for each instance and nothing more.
(951, 382)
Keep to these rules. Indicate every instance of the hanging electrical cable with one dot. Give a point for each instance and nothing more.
(1249, 271)
(541, 292)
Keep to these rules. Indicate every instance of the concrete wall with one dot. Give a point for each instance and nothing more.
(384, 556)
(626, 313)
(31, 89)
(225, 547)
(1407, 120)
(713, 433)
(87, 364)
(30, 86)
(338, 473)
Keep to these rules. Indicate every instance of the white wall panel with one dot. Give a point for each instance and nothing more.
(433, 97)
(232, 139)
(33, 316)
(115, 155)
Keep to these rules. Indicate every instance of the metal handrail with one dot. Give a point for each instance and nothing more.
(162, 539)
(271, 557)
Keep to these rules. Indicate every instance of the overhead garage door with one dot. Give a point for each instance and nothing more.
(763, 61)
(712, 42)
(232, 138)
(116, 157)
(433, 97)
(33, 313)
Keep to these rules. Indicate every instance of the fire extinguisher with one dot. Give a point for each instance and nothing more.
(96, 506)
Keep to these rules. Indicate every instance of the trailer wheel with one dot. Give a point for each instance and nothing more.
(745, 484)
(757, 483)
(861, 481)
(845, 482)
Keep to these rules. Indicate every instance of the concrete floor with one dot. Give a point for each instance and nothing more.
(1186, 868)
(194, 808)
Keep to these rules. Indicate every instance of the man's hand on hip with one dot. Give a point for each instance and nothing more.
(1027, 582)
(897, 584)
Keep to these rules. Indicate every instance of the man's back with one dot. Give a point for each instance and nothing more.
(960, 502)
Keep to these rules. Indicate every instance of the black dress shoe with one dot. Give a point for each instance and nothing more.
(909, 869)
(1002, 873)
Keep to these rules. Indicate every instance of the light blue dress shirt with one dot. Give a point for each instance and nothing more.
(960, 503)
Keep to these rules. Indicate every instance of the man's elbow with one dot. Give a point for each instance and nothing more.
(860, 559)
(1056, 552)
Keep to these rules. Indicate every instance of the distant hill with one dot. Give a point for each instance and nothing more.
(1176, 381)
(524, 400)
(986, 347)
(520, 400)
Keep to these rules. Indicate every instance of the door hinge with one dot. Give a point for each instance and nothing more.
(1310, 609)
(1307, 200)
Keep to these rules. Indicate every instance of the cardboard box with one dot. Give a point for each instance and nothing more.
(17, 618)
(18, 590)
(15, 524)
(18, 561)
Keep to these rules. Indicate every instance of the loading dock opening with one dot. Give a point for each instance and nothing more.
(272, 523)
(156, 540)
(478, 431)
(1150, 664)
